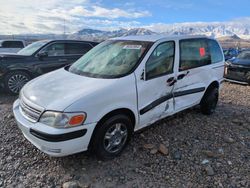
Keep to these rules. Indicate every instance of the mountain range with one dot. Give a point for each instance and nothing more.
(102, 35)
(216, 30)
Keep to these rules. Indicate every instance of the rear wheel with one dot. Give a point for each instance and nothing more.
(14, 81)
(112, 136)
(209, 101)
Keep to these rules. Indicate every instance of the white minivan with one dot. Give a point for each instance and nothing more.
(120, 86)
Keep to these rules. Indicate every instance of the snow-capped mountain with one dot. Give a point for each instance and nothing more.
(233, 30)
(138, 31)
(90, 32)
(99, 34)
(216, 30)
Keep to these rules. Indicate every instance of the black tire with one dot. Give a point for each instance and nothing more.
(209, 101)
(98, 145)
(14, 81)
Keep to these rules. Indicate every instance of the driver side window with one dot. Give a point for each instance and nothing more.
(56, 49)
(161, 61)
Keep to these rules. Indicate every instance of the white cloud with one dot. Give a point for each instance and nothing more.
(30, 15)
(49, 16)
(97, 11)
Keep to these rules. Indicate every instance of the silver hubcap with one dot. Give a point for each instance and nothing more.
(16, 82)
(115, 138)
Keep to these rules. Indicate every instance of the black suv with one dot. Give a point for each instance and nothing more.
(238, 69)
(39, 58)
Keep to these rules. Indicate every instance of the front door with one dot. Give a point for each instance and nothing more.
(155, 98)
(55, 58)
(60, 54)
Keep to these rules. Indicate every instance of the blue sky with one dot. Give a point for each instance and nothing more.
(48, 16)
(172, 11)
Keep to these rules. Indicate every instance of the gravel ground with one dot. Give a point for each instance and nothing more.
(195, 151)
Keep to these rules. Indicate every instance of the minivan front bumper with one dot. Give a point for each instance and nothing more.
(52, 141)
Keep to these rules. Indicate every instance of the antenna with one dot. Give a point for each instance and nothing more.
(64, 30)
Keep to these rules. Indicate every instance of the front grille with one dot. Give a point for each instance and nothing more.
(29, 112)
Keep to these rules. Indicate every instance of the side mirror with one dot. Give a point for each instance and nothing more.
(42, 54)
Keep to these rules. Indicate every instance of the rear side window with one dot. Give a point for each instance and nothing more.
(161, 61)
(215, 51)
(194, 53)
(77, 48)
(12, 44)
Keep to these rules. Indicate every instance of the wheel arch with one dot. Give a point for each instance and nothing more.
(124, 111)
(19, 70)
(214, 84)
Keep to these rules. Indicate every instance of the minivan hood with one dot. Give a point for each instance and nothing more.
(59, 89)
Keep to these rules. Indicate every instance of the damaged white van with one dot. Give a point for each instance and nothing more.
(118, 87)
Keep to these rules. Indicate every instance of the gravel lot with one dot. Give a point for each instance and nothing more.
(197, 151)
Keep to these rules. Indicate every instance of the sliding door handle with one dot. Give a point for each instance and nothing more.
(181, 76)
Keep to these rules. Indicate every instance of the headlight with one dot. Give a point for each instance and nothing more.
(62, 120)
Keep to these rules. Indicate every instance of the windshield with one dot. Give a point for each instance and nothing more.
(244, 55)
(110, 59)
(32, 48)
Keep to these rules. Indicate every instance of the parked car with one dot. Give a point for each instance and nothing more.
(11, 46)
(39, 58)
(230, 53)
(120, 86)
(238, 69)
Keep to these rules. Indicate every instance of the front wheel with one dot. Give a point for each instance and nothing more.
(209, 101)
(112, 137)
(14, 81)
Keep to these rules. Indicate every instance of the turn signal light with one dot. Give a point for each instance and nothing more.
(77, 120)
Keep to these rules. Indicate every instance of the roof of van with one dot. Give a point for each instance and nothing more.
(154, 38)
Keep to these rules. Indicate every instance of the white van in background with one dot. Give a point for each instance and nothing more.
(11, 46)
